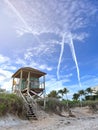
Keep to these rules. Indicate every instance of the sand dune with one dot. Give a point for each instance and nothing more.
(84, 120)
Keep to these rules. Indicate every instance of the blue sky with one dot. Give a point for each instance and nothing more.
(59, 37)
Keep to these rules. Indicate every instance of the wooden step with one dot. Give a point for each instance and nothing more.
(29, 108)
(30, 113)
(31, 116)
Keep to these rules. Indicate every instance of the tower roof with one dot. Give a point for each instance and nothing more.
(33, 72)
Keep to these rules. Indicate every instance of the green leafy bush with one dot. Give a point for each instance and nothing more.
(56, 106)
(10, 103)
(53, 105)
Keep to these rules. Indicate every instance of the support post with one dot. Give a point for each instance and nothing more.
(44, 81)
(13, 85)
(20, 83)
(44, 99)
(44, 93)
(28, 84)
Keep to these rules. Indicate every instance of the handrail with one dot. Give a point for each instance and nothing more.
(23, 97)
(32, 98)
(34, 102)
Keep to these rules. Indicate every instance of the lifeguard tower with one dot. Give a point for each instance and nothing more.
(29, 83)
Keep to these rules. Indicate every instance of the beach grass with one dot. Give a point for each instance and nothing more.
(10, 103)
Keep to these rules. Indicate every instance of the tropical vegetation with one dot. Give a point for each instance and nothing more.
(56, 101)
(11, 103)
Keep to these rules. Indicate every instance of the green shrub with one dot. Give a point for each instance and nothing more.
(10, 103)
(3, 109)
(53, 105)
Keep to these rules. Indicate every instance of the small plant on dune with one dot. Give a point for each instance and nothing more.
(10, 103)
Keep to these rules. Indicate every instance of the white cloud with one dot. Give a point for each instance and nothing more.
(68, 75)
(3, 59)
(56, 17)
(53, 84)
(90, 81)
(5, 79)
(7, 85)
(41, 66)
(32, 63)
(48, 17)
(5, 73)
(2, 77)
(80, 36)
(59, 17)
(86, 81)
(21, 62)
(45, 67)
(39, 50)
(8, 67)
(5, 63)
(28, 56)
(88, 77)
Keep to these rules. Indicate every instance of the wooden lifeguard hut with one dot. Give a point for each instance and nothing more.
(29, 82)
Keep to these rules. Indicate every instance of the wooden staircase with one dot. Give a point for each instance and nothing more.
(31, 110)
(30, 113)
(30, 106)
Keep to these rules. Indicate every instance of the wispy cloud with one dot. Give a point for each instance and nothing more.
(59, 17)
(5, 79)
(45, 67)
(4, 59)
(53, 84)
(6, 71)
(20, 61)
(90, 81)
(55, 17)
(32, 63)
(52, 16)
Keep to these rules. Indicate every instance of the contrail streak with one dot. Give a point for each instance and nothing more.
(74, 58)
(18, 14)
(61, 54)
(62, 42)
(73, 55)
(21, 18)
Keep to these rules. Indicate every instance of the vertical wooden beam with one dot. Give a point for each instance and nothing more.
(13, 85)
(20, 83)
(28, 85)
(44, 81)
(44, 92)
(44, 98)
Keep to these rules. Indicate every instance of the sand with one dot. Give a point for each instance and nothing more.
(84, 120)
